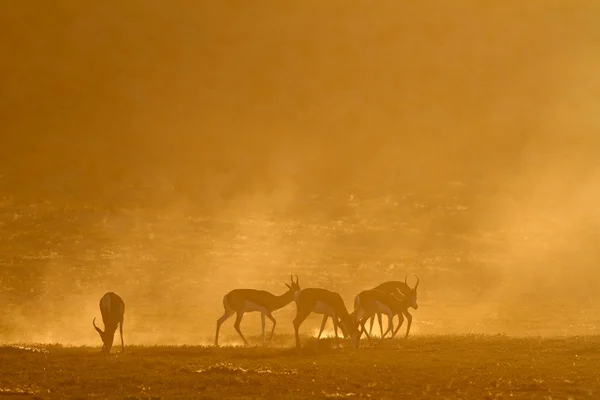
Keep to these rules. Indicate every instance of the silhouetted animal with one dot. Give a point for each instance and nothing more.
(395, 287)
(328, 303)
(241, 301)
(112, 309)
(370, 302)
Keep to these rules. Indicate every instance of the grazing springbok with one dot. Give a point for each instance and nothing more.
(112, 309)
(370, 302)
(393, 287)
(322, 301)
(241, 301)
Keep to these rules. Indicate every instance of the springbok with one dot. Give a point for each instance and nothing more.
(393, 287)
(241, 301)
(370, 302)
(330, 304)
(112, 309)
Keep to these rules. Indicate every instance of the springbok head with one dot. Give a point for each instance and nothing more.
(411, 296)
(351, 328)
(294, 287)
(107, 337)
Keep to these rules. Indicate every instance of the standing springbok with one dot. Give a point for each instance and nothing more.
(322, 301)
(112, 309)
(370, 302)
(241, 301)
(393, 287)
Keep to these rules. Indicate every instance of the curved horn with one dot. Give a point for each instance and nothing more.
(406, 280)
(292, 278)
(98, 329)
(296, 279)
(417, 284)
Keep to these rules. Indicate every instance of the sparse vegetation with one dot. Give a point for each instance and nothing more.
(426, 367)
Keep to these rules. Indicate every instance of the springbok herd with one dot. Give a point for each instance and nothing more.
(390, 298)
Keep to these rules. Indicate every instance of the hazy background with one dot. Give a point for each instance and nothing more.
(173, 151)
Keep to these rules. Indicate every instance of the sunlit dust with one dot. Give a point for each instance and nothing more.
(326, 333)
(172, 153)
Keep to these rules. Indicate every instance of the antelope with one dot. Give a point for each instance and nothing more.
(370, 302)
(330, 304)
(241, 301)
(112, 309)
(393, 287)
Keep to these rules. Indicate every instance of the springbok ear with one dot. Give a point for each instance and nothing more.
(288, 286)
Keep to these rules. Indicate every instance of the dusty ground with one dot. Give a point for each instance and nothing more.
(436, 367)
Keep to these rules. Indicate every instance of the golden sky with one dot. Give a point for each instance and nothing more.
(310, 86)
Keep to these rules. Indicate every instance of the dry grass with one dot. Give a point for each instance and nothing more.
(437, 367)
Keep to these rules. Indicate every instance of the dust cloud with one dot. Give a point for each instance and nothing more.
(173, 152)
